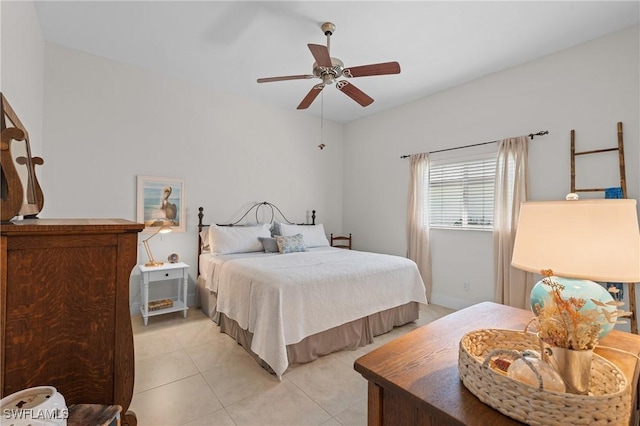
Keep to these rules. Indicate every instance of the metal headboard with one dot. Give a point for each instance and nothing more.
(255, 207)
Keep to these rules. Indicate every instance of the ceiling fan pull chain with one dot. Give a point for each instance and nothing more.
(322, 120)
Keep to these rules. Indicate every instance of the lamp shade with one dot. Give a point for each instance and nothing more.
(588, 239)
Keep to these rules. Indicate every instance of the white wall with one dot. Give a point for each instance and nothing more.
(107, 122)
(588, 88)
(22, 67)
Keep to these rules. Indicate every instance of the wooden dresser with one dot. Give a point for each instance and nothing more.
(64, 309)
(414, 379)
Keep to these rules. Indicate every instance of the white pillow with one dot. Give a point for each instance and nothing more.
(313, 235)
(204, 241)
(237, 239)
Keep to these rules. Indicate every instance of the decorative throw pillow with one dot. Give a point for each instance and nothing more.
(237, 239)
(314, 235)
(290, 244)
(270, 245)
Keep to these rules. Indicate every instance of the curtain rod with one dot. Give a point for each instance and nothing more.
(531, 135)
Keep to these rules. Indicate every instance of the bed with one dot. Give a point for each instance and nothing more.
(299, 299)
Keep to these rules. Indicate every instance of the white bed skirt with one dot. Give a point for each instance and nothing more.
(349, 336)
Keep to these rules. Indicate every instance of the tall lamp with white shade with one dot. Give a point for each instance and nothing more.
(580, 241)
(586, 239)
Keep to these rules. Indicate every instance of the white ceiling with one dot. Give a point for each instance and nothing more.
(227, 45)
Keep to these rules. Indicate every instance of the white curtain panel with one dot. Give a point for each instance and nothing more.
(418, 218)
(512, 286)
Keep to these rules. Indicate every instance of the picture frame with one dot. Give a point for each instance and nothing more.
(160, 203)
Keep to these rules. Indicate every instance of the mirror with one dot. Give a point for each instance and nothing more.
(20, 192)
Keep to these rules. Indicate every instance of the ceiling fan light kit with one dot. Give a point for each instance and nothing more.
(329, 69)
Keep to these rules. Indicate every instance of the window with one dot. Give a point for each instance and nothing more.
(461, 192)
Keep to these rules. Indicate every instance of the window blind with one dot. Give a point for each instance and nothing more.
(461, 192)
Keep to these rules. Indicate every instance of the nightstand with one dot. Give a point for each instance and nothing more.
(169, 271)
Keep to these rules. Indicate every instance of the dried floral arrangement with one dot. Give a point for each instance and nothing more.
(563, 324)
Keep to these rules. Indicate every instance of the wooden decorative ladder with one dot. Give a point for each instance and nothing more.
(623, 187)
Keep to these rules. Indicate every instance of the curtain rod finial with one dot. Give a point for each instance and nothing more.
(540, 133)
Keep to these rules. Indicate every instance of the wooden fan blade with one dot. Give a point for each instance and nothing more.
(354, 93)
(311, 96)
(373, 69)
(320, 54)
(286, 77)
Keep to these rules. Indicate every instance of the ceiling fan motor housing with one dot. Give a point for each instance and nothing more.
(328, 74)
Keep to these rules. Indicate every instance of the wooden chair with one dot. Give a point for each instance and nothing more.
(342, 241)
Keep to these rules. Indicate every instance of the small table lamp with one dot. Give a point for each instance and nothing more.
(164, 229)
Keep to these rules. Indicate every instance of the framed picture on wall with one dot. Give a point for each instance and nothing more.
(160, 203)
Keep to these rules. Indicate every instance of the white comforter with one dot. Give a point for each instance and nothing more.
(282, 299)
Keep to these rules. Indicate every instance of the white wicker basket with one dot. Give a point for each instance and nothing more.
(608, 402)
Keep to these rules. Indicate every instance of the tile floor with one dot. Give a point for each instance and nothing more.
(188, 373)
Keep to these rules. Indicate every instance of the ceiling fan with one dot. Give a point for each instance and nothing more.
(329, 69)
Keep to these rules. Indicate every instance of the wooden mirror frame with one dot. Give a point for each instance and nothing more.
(20, 192)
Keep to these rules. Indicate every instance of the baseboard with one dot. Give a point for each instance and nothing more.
(450, 302)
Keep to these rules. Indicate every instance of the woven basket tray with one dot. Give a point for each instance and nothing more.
(607, 403)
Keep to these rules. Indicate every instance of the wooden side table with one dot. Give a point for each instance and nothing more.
(169, 271)
(414, 379)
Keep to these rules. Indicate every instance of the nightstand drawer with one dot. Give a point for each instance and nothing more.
(169, 274)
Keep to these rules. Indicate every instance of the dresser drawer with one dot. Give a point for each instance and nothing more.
(166, 274)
